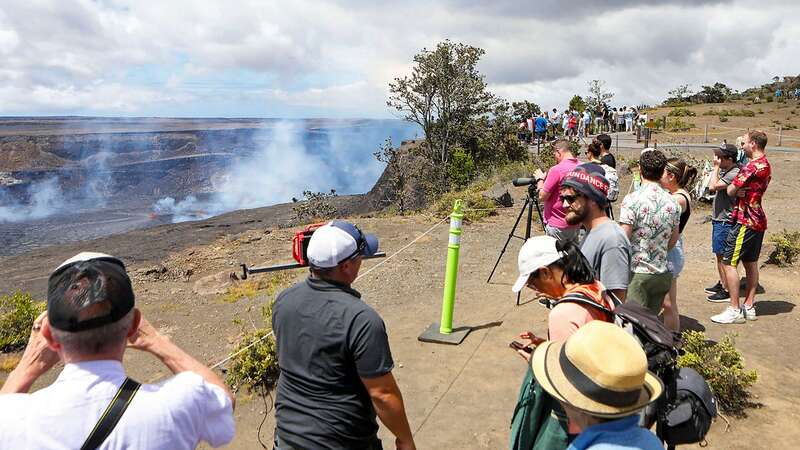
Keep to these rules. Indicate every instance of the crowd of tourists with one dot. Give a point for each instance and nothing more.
(571, 123)
(588, 375)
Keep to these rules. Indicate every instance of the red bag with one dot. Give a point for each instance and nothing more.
(300, 243)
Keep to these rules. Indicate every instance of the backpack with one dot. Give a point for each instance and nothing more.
(684, 413)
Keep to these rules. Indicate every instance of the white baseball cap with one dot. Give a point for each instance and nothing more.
(537, 252)
(337, 241)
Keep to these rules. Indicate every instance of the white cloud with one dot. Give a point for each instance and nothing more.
(336, 58)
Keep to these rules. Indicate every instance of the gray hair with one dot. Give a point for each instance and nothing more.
(97, 340)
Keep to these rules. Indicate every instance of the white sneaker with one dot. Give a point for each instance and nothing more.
(730, 315)
(749, 313)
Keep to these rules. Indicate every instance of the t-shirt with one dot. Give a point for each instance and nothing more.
(565, 318)
(653, 214)
(554, 214)
(327, 339)
(624, 433)
(608, 250)
(722, 204)
(587, 117)
(541, 124)
(173, 415)
(609, 160)
(754, 177)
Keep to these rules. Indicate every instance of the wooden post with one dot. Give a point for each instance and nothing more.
(780, 136)
(705, 135)
(617, 134)
(665, 123)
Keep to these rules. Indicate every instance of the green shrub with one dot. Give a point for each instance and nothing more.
(460, 168)
(769, 99)
(315, 206)
(17, 313)
(712, 112)
(723, 119)
(681, 112)
(722, 366)
(256, 368)
(473, 200)
(676, 124)
(787, 247)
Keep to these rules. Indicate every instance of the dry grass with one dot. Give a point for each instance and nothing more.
(268, 285)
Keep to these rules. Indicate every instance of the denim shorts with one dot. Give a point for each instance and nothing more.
(719, 234)
(675, 258)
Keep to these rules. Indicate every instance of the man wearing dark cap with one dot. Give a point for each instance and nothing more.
(584, 195)
(333, 352)
(90, 320)
(725, 170)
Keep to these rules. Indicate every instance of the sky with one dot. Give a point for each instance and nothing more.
(310, 58)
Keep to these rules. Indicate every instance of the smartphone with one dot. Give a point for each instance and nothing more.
(518, 346)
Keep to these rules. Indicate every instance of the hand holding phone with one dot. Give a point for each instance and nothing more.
(519, 346)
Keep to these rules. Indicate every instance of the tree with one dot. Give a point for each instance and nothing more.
(598, 95)
(717, 93)
(524, 110)
(442, 94)
(577, 104)
(679, 94)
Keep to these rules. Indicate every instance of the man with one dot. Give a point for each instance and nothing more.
(722, 175)
(554, 214)
(747, 232)
(600, 377)
(540, 125)
(90, 318)
(605, 150)
(650, 218)
(333, 352)
(555, 120)
(584, 194)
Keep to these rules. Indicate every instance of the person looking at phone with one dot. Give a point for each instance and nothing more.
(559, 270)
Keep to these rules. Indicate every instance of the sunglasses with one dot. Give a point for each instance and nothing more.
(570, 199)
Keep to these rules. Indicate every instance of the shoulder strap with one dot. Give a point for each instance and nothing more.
(582, 299)
(112, 414)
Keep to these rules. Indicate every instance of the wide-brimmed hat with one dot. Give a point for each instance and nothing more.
(600, 370)
(536, 252)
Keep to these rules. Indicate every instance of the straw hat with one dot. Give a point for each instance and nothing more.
(600, 369)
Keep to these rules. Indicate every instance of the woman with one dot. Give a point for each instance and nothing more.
(558, 270)
(677, 175)
(594, 152)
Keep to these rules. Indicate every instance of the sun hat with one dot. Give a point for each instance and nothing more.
(600, 370)
(88, 291)
(337, 241)
(537, 252)
(589, 179)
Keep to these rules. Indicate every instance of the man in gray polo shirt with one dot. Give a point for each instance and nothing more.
(584, 197)
(333, 352)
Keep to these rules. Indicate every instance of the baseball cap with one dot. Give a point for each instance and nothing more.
(88, 291)
(729, 151)
(589, 179)
(337, 241)
(537, 252)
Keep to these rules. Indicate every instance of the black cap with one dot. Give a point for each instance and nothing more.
(88, 291)
(729, 151)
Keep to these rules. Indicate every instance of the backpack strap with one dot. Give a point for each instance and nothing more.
(112, 414)
(585, 300)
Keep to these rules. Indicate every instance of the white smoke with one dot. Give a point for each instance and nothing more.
(45, 198)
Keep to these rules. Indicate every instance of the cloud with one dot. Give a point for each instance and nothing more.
(322, 58)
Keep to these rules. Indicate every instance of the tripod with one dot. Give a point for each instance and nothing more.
(531, 200)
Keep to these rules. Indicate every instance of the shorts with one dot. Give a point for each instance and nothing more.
(649, 289)
(719, 234)
(675, 258)
(743, 244)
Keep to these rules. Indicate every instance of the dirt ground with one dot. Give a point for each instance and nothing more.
(456, 396)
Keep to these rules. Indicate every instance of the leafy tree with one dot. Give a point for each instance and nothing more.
(679, 94)
(443, 94)
(598, 95)
(524, 110)
(577, 104)
(717, 93)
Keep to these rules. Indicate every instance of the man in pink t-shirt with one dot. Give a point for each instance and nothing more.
(554, 214)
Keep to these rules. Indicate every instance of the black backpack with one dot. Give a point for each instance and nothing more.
(684, 413)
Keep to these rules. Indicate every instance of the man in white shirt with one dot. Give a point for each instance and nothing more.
(90, 321)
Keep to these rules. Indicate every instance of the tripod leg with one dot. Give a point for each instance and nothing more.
(539, 212)
(510, 235)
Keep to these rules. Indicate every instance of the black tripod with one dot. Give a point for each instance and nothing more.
(531, 200)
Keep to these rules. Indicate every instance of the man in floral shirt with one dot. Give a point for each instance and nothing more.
(650, 217)
(747, 232)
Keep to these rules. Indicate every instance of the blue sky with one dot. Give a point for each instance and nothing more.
(248, 58)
